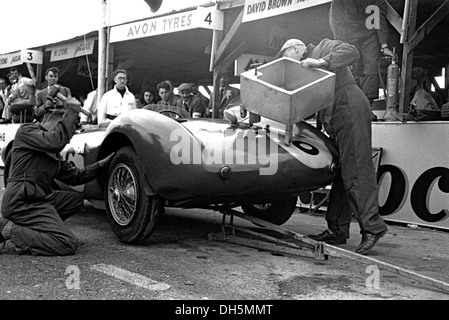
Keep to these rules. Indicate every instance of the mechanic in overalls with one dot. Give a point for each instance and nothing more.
(33, 213)
(348, 124)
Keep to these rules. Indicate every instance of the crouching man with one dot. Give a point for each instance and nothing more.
(33, 213)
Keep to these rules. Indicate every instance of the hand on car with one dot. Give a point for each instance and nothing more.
(105, 162)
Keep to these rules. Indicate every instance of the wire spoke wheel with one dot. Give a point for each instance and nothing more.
(124, 192)
(132, 214)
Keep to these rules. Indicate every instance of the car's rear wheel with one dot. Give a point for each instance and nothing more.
(275, 212)
(131, 213)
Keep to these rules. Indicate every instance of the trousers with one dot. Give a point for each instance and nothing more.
(355, 189)
(39, 227)
(365, 70)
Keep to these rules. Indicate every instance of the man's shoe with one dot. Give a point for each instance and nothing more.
(3, 223)
(369, 240)
(328, 237)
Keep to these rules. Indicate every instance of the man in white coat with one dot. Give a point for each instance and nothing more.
(116, 101)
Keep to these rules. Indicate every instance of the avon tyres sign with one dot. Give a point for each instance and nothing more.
(259, 9)
(208, 18)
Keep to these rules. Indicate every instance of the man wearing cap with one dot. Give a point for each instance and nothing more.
(116, 101)
(190, 102)
(32, 213)
(348, 124)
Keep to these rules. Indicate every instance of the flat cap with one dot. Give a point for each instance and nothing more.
(185, 87)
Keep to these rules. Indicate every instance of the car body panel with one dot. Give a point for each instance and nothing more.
(198, 183)
(173, 169)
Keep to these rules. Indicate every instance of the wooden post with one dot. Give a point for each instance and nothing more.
(446, 82)
(407, 57)
(102, 45)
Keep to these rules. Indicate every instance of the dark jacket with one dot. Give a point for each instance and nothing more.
(347, 19)
(41, 98)
(193, 105)
(36, 162)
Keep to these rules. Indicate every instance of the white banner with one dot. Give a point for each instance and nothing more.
(72, 50)
(17, 58)
(10, 60)
(31, 56)
(260, 9)
(209, 18)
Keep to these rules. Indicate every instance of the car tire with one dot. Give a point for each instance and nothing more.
(276, 212)
(131, 213)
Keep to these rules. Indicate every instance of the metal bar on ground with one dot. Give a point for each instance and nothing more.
(326, 249)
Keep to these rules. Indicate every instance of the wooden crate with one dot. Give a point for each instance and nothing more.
(283, 91)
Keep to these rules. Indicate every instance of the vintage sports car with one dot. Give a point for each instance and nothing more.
(172, 161)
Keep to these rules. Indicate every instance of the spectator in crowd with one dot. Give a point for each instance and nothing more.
(225, 94)
(348, 124)
(164, 91)
(22, 91)
(173, 97)
(117, 100)
(139, 102)
(90, 104)
(4, 93)
(149, 96)
(196, 92)
(190, 102)
(33, 213)
(45, 106)
(348, 21)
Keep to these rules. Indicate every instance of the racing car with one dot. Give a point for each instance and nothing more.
(164, 159)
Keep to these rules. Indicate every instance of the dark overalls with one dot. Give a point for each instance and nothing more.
(348, 123)
(29, 202)
(347, 19)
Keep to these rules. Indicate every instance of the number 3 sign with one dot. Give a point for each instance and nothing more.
(31, 56)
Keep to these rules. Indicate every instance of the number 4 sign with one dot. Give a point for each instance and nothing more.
(209, 18)
(31, 56)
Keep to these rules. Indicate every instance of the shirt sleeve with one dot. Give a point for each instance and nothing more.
(337, 53)
(73, 176)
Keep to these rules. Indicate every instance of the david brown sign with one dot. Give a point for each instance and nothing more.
(260, 9)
